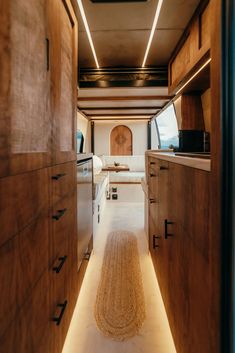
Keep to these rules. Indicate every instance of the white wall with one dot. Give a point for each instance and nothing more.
(84, 125)
(104, 128)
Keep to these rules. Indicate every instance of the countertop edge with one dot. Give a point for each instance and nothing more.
(197, 163)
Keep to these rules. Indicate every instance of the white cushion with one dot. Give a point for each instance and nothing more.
(127, 177)
(97, 165)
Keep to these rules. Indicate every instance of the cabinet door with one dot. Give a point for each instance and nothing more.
(63, 69)
(25, 124)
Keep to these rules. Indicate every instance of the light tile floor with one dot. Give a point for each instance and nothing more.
(154, 336)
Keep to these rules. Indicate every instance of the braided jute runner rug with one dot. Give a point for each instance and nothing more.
(120, 307)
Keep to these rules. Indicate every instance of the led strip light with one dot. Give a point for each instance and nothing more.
(80, 5)
(156, 17)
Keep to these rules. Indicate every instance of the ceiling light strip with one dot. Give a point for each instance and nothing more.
(192, 77)
(88, 31)
(159, 5)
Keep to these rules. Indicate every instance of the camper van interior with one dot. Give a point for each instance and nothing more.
(117, 176)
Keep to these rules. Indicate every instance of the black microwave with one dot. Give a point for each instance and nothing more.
(194, 141)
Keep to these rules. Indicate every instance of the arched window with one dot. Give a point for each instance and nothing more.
(121, 141)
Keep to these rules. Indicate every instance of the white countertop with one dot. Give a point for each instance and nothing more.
(198, 163)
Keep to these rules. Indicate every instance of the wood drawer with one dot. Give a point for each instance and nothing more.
(63, 180)
(63, 222)
(30, 331)
(23, 198)
(61, 306)
(23, 259)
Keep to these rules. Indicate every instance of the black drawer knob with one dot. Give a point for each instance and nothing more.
(152, 175)
(62, 260)
(163, 167)
(166, 223)
(59, 214)
(152, 163)
(58, 319)
(58, 176)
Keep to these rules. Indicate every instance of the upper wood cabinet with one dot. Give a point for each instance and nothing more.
(193, 49)
(38, 73)
(62, 41)
(25, 123)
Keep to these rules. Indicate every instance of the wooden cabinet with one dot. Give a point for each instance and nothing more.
(181, 256)
(193, 49)
(38, 242)
(62, 37)
(38, 71)
(25, 124)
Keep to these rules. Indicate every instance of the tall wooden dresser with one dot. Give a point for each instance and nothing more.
(38, 264)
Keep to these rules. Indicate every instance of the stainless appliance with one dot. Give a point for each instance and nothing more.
(84, 205)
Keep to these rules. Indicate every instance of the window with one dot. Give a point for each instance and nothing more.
(167, 127)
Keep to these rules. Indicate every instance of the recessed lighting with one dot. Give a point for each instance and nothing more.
(192, 77)
(80, 5)
(156, 17)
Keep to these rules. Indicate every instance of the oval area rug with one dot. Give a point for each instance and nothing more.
(120, 307)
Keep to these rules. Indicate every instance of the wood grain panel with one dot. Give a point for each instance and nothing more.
(25, 121)
(31, 246)
(62, 33)
(63, 229)
(23, 198)
(121, 141)
(192, 113)
(30, 332)
(63, 180)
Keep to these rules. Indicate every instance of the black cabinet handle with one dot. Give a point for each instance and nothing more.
(152, 163)
(58, 319)
(48, 54)
(62, 260)
(166, 223)
(59, 214)
(154, 241)
(58, 176)
(152, 200)
(152, 175)
(163, 168)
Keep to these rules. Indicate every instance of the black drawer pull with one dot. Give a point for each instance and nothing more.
(58, 176)
(59, 214)
(154, 241)
(152, 200)
(152, 175)
(152, 163)
(58, 319)
(62, 260)
(47, 54)
(166, 223)
(163, 168)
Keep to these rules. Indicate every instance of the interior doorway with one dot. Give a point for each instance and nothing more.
(121, 141)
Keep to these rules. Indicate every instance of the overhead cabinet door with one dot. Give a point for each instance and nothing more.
(25, 124)
(63, 71)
